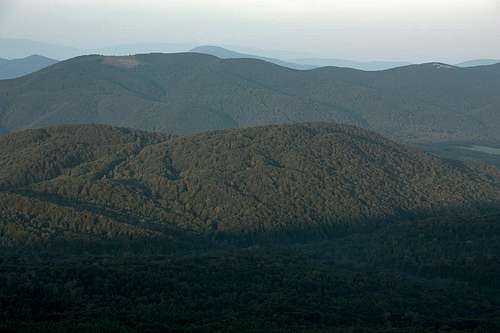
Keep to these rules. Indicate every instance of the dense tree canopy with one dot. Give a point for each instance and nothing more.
(110, 181)
(186, 93)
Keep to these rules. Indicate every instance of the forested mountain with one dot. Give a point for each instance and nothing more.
(186, 93)
(10, 69)
(292, 228)
(86, 180)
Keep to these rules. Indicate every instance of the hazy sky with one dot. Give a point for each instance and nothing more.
(413, 30)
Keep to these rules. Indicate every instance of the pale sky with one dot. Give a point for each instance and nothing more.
(410, 30)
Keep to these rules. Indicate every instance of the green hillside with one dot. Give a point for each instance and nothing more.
(189, 93)
(86, 181)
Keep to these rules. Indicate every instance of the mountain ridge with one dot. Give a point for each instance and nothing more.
(188, 93)
(109, 180)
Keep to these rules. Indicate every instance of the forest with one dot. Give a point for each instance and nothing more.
(293, 228)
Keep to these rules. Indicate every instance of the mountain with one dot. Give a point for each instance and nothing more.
(100, 181)
(365, 66)
(297, 228)
(189, 93)
(478, 62)
(10, 69)
(11, 48)
(223, 53)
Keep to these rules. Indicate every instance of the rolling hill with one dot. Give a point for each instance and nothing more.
(10, 69)
(189, 93)
(100, 181)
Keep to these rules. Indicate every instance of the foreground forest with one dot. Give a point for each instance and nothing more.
(294, 228)
(430, 276)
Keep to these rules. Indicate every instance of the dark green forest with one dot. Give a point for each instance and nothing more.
(430, 276)
(293, 228)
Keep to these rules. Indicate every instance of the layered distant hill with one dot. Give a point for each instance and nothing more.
(366, 66)
(14, 48)
(187, 93)
(87, 180)
(14, 68)
(479, 62)
(224, 53)
(301, 63)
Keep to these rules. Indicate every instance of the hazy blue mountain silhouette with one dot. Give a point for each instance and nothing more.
(10, 69)
(224, 53)
(478, 62)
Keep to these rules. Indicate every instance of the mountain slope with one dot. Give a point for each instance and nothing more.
(223, 53)
(101, 181)
(177, 93)
(10, 69)
(187, 93)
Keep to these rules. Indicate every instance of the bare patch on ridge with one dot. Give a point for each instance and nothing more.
(122, 61)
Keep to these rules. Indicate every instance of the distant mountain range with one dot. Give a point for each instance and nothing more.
(189, 93)
(311, 63)
(10, 69)
(11, 48)
(301, 64)
(223, 53)
(366, 66)
(478, 62)
(21, 48)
